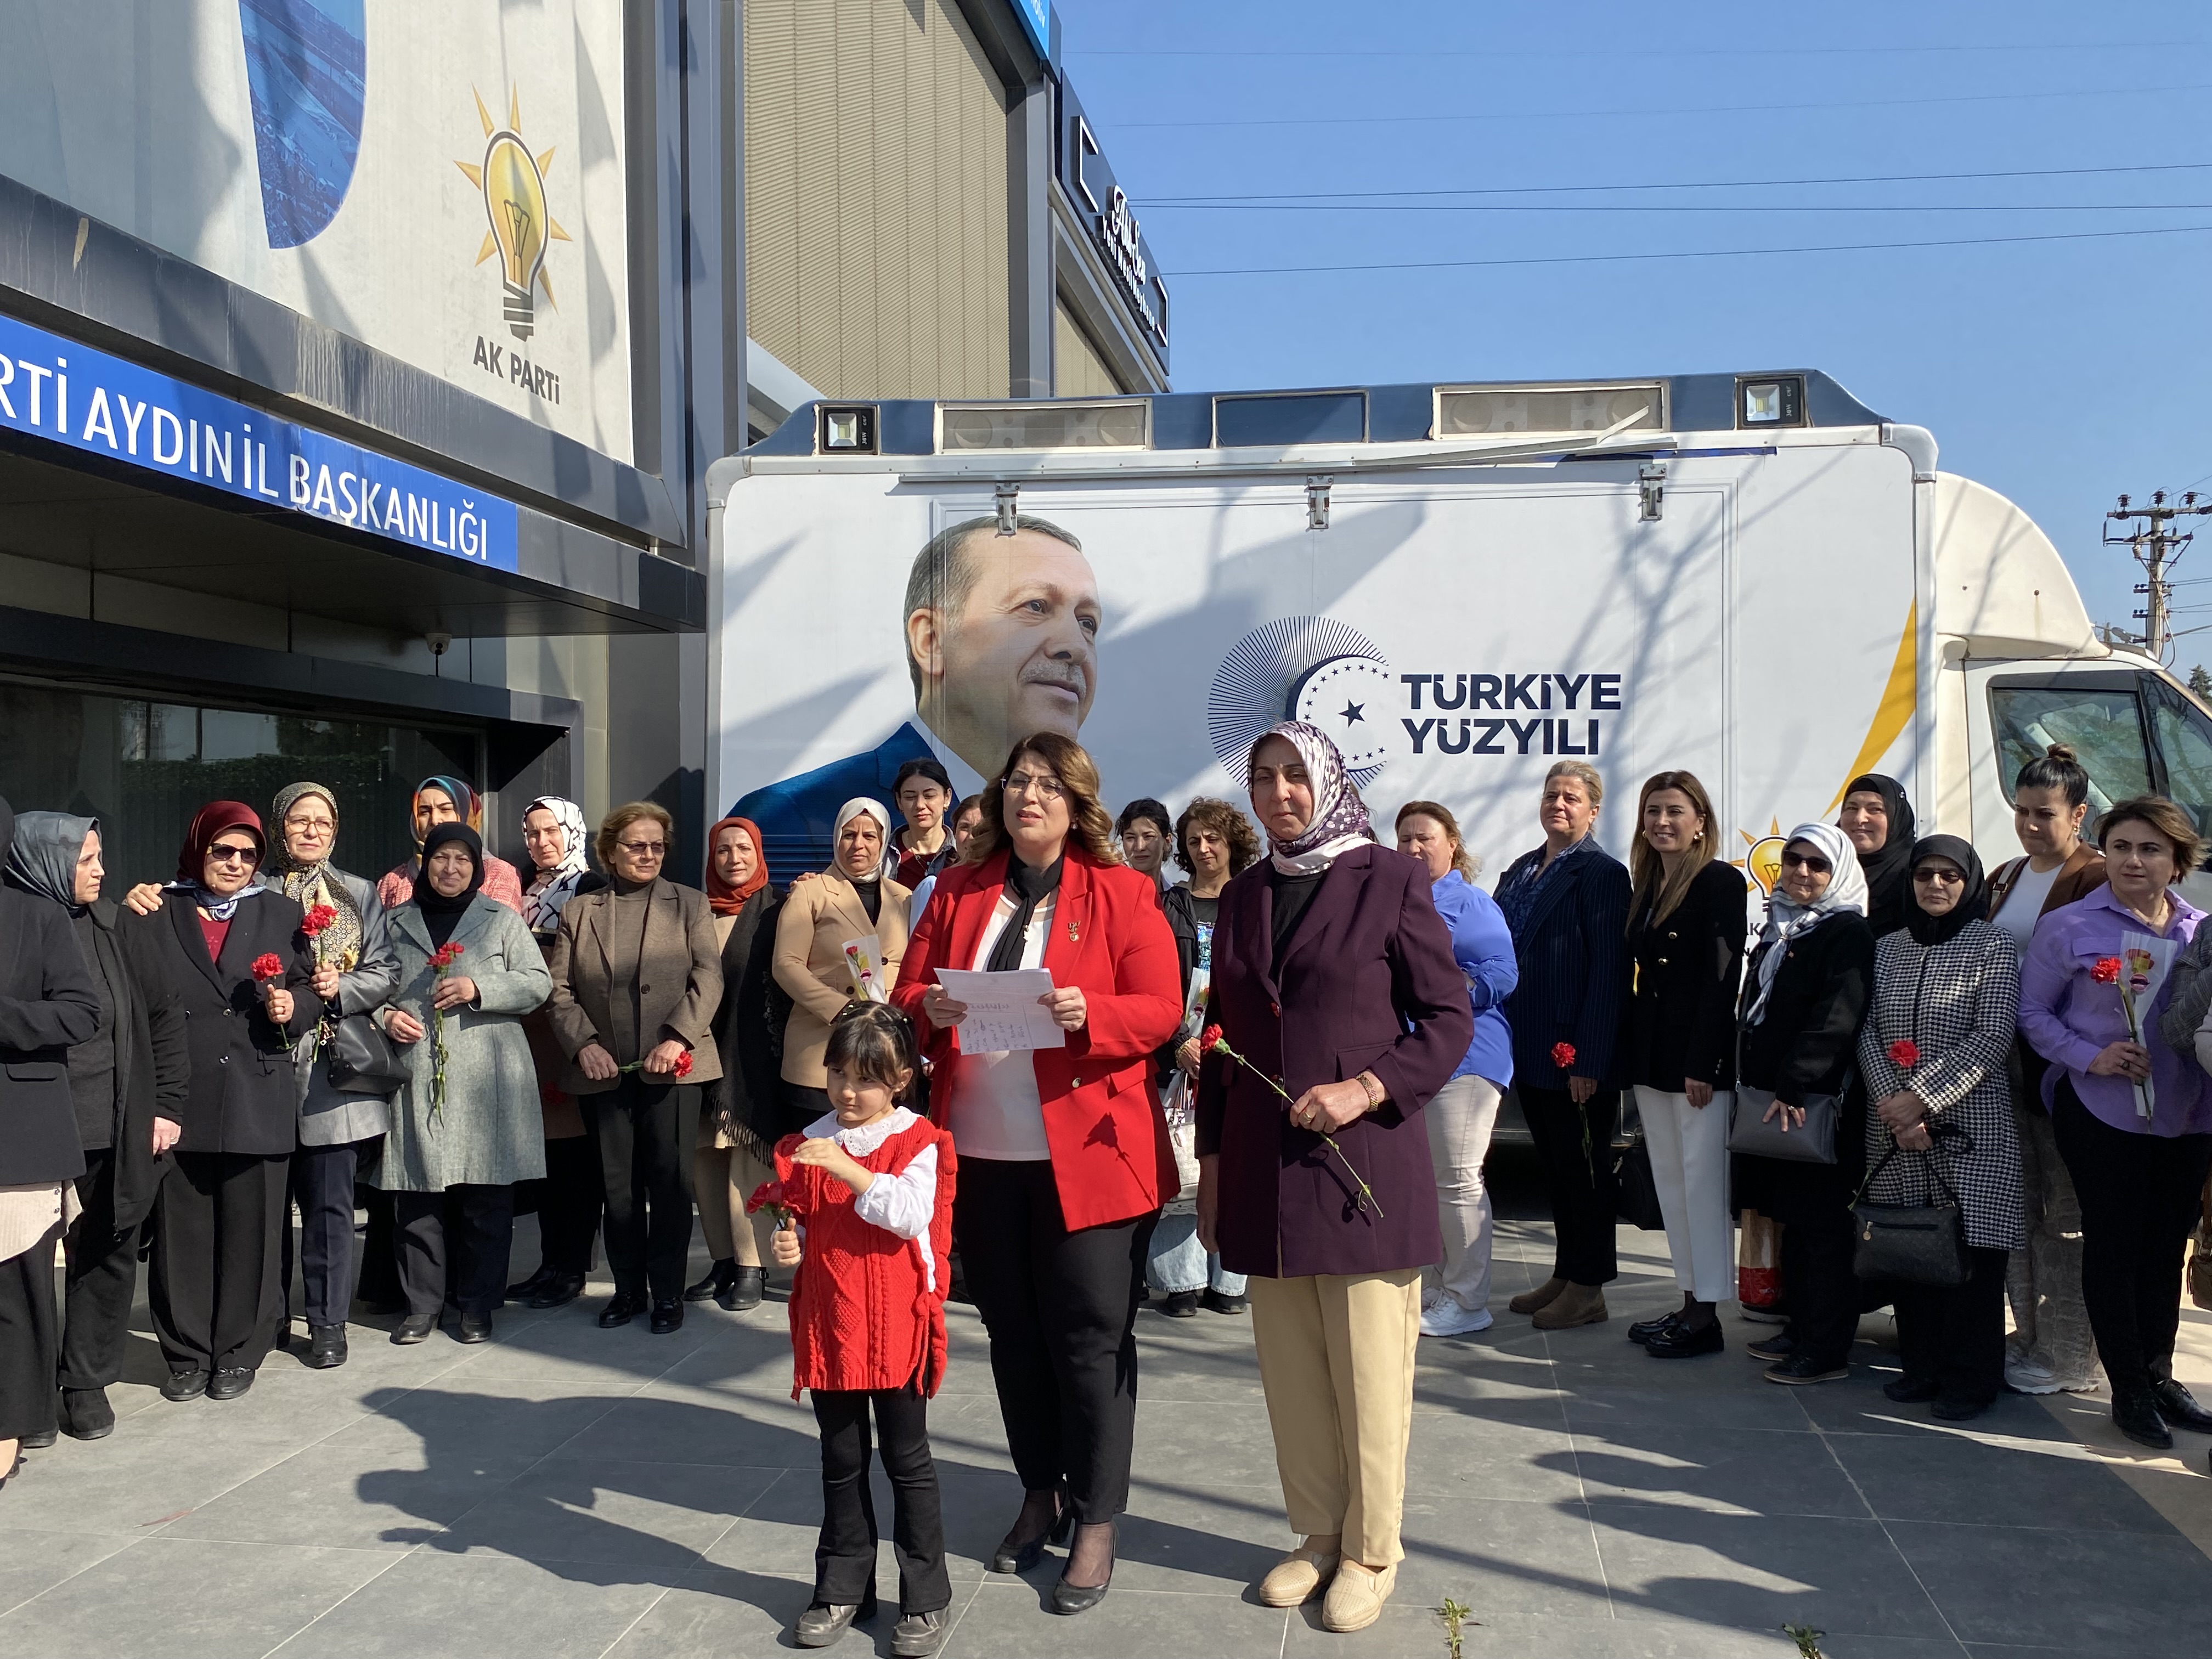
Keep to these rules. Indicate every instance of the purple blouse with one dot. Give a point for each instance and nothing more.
(2068, 1018)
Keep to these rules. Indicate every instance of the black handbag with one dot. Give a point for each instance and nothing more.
(1813, 1141)
(362, 1060)
(1636, 1195)
(1915, 1243)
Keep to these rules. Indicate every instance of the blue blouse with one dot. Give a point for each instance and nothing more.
(1482, 945)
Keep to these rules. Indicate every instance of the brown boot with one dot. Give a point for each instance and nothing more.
(1578, 1305)
(1542, 1296)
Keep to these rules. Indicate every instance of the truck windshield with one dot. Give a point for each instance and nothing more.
(2103, 727)
(2185, 744)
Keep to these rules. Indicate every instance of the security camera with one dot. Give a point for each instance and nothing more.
(438, 643)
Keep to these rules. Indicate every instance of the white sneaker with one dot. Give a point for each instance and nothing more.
(2029, 1375)
(1448, 1318)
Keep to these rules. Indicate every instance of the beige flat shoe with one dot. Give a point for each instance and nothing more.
(1542, 1296)
(1578, 1305)
(1356, 1596)
(1299, 1577)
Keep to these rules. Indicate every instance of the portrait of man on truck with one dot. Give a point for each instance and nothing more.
(1002, 641)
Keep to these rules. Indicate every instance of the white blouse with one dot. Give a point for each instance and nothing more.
(995, 1111)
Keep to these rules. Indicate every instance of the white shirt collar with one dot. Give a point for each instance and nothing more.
(865, 1139)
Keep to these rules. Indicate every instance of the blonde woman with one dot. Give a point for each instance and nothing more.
(1688, 918)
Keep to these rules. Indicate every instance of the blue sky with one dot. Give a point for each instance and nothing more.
(2058, 372)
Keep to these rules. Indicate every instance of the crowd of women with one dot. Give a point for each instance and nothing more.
(1271, 1092)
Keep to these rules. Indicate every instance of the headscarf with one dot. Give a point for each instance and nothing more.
(1786, 920)
(725, 900)
(1888, 868)
(1340, 822)
(42, 859)
(549, 890)
(1973, 898)
(7, 827)
(216, 818)
(311, 884)
(851, 809)
(441, 915)
(466, 801)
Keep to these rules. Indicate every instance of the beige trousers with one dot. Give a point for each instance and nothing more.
(1336, 1360)
(722, 1179)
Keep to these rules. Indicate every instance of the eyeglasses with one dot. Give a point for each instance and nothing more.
(220, 853)
(1940, 877)
(1817, 864)
(1019, 783)
(643, 849)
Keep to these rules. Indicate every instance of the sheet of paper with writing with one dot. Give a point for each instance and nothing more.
(1004, 1013)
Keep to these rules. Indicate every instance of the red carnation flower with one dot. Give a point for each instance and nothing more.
(1563, 1054)
(317, 920)
(268, 966)
(1209, 1040)
(2107, 970)
(770, 1196)
(447, 955)
(1905, 1054)
(683, 1067)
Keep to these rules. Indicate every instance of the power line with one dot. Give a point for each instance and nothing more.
(1761, 207)
(1678, 183)
(1695, 253)
(1638, 52)
(1698, 109)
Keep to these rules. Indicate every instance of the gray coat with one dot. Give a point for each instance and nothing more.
(327, 1117)
(489, 1131)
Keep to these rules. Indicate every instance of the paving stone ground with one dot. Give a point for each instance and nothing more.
(565, 1491)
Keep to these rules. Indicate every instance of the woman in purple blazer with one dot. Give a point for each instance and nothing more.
(1334, 985)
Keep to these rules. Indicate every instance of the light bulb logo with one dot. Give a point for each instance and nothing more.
(1762, 858)
(513, 181)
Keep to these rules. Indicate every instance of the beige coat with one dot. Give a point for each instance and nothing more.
(818, 918)
(679, 981)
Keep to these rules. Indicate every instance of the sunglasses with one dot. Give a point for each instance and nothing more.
(221, 854)
(1940, 877)
(1806, 862)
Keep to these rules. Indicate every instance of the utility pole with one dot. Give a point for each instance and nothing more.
(2156, 545)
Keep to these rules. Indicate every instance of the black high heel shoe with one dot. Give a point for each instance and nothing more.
(1015, 1557)
(1068, 1600)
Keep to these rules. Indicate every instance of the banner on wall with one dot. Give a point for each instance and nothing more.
(444, 184)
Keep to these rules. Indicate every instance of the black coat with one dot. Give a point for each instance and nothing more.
(49, 1002)
(748, 1097)
(1806, 1043)
(1680, 1023)
(244, 1095)
(1572, 952)
(153, 1057)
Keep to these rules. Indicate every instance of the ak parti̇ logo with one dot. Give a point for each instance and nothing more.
(513, 181)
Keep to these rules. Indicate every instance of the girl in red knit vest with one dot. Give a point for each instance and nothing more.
(868, 1195)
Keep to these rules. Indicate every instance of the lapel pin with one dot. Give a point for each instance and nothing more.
(1072, 934)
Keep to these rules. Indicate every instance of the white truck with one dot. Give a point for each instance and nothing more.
(1751, 576)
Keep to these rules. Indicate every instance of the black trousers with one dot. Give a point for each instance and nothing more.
(2139, 1196)
(1817, 1245)
(845, 1556)
(472, 1225)
(1581, 1182)
(645, 1132)
(322, 1185)
(29, 1341)
(1060, 1308)
(1954, 1335)
(379, 1281)
(98, 1280)
(568, 1202)
(217, 1289)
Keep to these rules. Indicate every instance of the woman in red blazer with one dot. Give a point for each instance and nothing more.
(1064, 1153)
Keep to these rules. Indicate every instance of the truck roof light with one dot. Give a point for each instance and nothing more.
(1463, 411)
(1043, 426)
(1770, 400)
(847, 430)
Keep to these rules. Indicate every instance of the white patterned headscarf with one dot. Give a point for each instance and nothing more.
(549, 890)
(1786, 920)
(1340, 822)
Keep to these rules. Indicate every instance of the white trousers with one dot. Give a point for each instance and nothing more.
(1689, 1167)
(1460, 1118)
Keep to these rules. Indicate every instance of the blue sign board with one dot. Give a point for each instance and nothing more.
(1036, 23)
(58, 389)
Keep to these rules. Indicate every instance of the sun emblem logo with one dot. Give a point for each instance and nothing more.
(513, 181)
(1762, 856)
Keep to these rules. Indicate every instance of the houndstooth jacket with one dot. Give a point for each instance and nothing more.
(1957, 1002)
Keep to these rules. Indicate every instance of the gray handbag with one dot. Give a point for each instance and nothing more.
(1813, 1141)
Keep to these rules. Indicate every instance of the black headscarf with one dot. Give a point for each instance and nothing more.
(1888, 868)
(441, 914)
(1973, 898)
(1029, 888)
